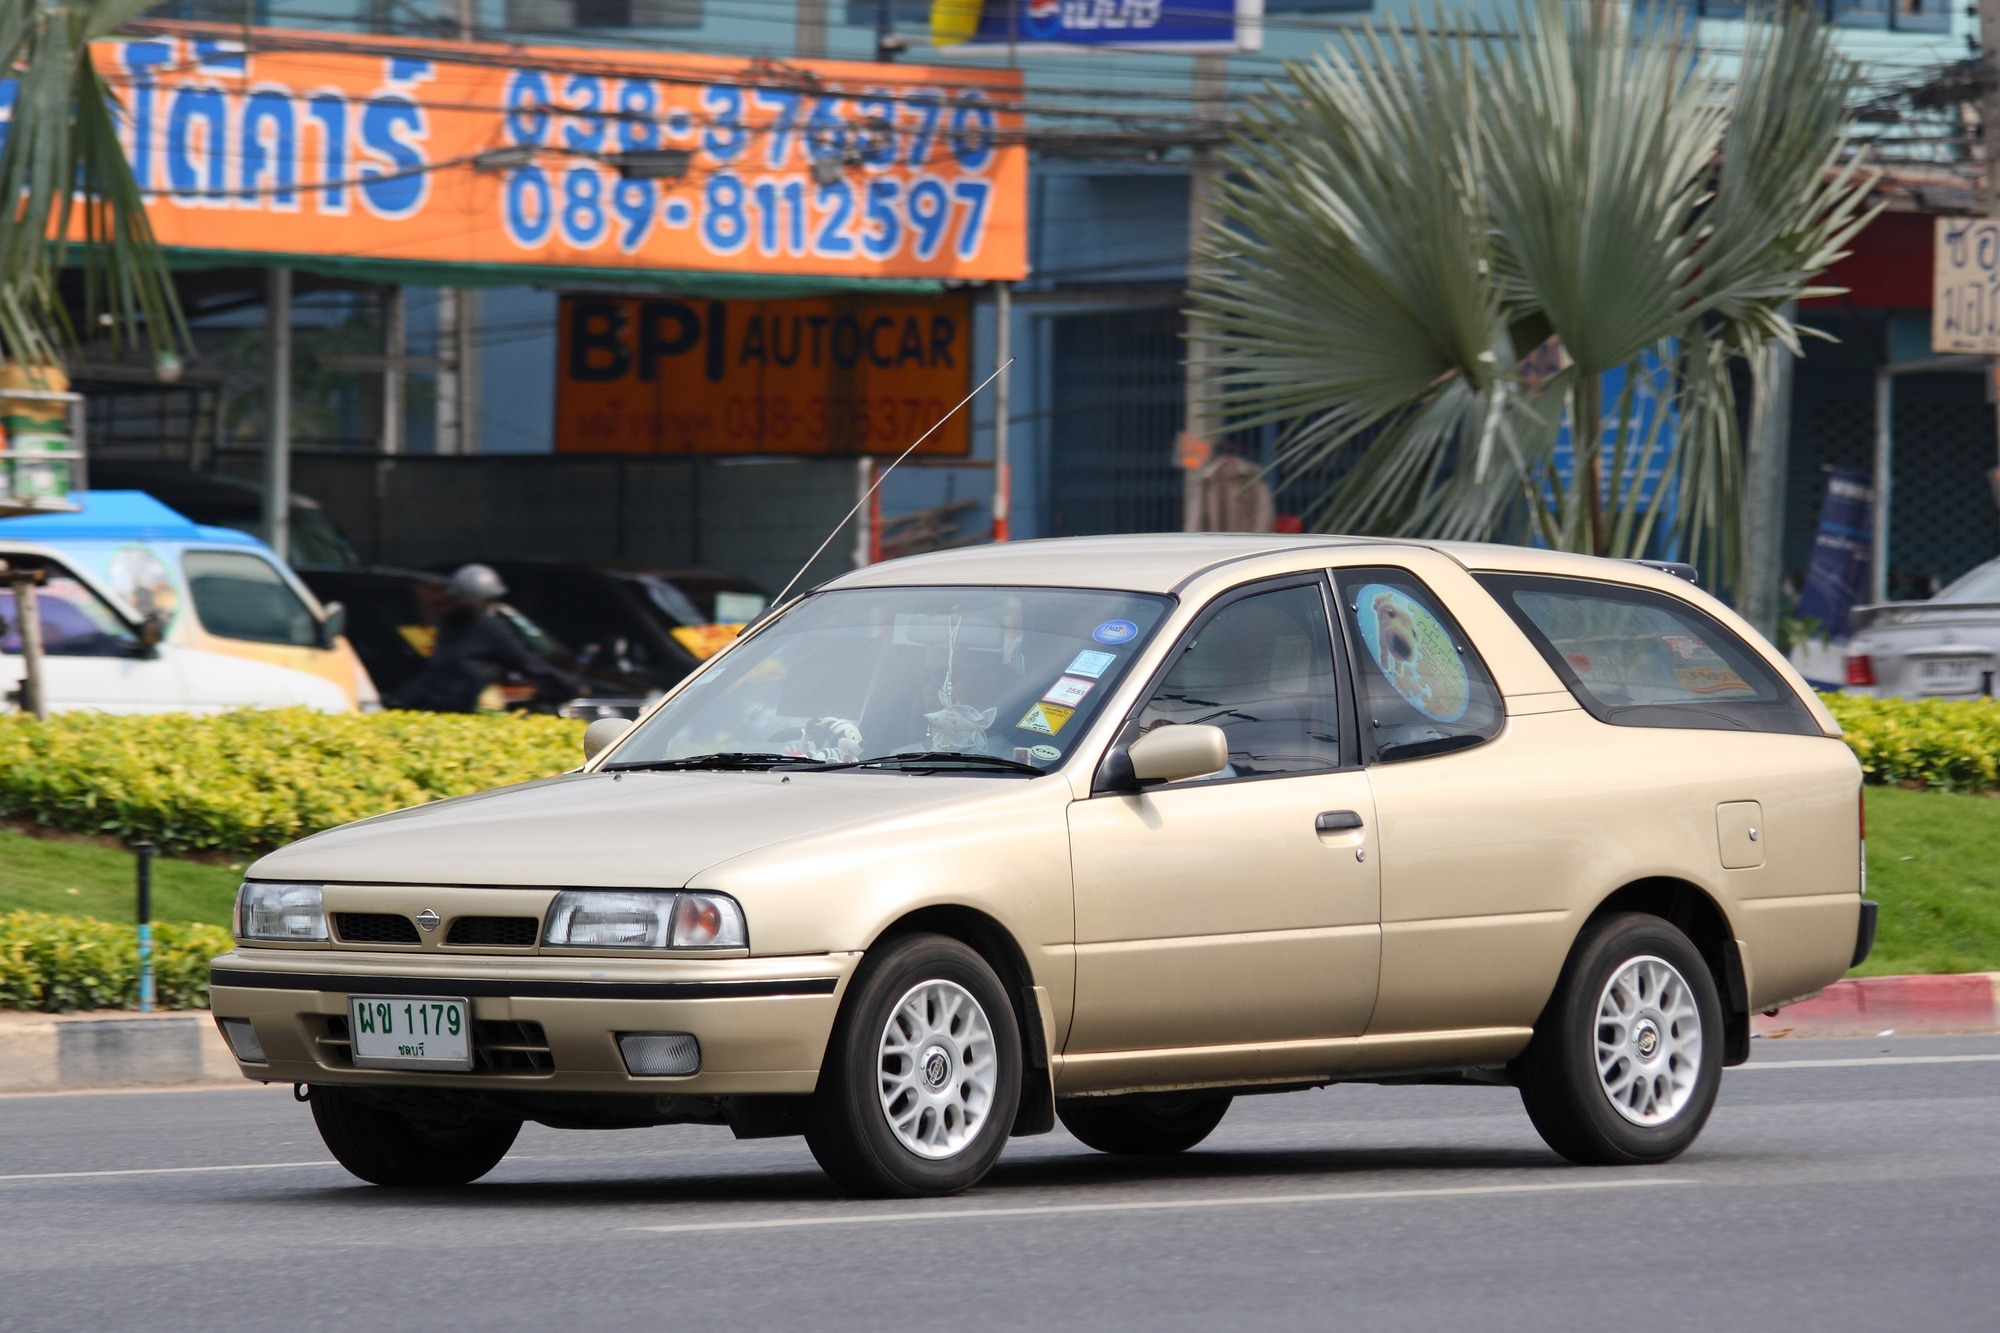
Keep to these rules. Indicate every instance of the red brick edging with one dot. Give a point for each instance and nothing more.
(1906, 1006)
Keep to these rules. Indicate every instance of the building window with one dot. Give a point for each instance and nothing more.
(553, 16)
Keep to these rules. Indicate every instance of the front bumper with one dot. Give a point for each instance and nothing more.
(545, 1025)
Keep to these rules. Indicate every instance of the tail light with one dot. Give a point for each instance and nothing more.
(1860, 669)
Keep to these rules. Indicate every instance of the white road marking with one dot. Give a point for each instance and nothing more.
(1162, 1205)
(1865, 1060)
(165, 1171)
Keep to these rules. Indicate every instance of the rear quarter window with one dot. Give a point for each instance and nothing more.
(239, 596)
(1638, 658)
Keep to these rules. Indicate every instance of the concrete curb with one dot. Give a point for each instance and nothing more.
(1907, 1006)
(111, 1049)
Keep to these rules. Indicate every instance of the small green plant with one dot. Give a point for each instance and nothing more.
(1948, 744)
(60, 964)
(249, 781)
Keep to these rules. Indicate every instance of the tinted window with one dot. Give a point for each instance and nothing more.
(75, 621)
(1639, 658)
(1423, 690)
(243, 597)
(1261, 668)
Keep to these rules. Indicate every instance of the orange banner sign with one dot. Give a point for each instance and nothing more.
(378, 148)
(836, 375)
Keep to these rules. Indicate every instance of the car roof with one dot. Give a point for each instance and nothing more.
(1165, 562)
(120, 516)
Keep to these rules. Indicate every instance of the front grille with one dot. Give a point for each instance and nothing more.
(374, 928)
(499, 1046)
(512, 932)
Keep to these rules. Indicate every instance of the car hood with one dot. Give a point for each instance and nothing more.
(631, 830)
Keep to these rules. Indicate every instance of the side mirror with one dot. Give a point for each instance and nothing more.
(1167, 754)
(151, 630)
(334, 625)
(600, 735)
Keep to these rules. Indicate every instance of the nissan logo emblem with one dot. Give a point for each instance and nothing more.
(427, 920)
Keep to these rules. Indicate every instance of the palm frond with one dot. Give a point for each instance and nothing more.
(64, 169)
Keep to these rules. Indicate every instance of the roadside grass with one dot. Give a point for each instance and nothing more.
(1933, 864)
(86, 877)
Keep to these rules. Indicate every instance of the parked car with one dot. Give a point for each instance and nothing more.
(219, 501)
(392, 620)
(650, 624)
(1105, 830)
(144, 611)
(1947, 646)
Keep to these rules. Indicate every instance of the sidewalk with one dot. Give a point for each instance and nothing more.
(111, 1049)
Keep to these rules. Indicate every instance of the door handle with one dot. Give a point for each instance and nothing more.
(1336, 821)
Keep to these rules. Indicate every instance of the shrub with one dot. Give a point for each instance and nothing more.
(59, 964)
(1949, 744)
(249, 781)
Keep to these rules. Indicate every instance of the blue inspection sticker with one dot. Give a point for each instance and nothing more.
(1115, 631)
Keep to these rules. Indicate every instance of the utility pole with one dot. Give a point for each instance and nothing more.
(809, 30)
(278, 413)
(1989, 195)
(1207, 103)
(1003, 352)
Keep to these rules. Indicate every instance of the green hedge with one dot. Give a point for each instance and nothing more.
(249, 781)
(1949, 744)
(59, 964)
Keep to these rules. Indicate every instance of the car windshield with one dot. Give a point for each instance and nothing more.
(988, 680)
(1981, 585)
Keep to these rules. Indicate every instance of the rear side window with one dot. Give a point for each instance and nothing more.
(1422, 688)
(242, 597)
(1639, 658)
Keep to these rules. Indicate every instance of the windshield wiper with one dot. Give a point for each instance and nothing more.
(743, 760)
(942, 758)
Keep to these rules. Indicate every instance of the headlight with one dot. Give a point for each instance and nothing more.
(597, 919)
(279, 912)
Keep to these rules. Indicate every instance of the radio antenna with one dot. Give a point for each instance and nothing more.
(870, 492)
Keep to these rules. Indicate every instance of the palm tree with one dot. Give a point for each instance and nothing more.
(1434, 249)
(66, 177)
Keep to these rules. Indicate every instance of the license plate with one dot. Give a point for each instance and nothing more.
(1952, 672)
(410, 1032)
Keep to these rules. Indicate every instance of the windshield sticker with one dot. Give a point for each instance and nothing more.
(1068, 692)
(1712, 680)
(1049, 719)
(1046, 754)
(1115, 631)
(1414, 651)
(139, 577)
(1090, 663)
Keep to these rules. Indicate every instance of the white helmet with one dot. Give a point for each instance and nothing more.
(476, 585)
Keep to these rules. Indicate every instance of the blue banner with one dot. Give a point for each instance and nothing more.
(1192, 24)
(1838, 570)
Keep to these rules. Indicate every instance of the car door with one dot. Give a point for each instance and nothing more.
(93, 658)
(1238, 910)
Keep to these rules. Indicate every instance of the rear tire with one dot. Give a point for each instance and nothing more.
(1627, 1058)
(922, 1077)
(1142, 1126)
(383, 1147)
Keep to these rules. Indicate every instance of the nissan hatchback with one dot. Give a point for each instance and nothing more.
(1105, 831)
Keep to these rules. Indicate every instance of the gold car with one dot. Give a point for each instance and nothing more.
(1105, 830)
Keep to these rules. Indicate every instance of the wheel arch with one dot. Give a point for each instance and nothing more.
(992, 941)
(1695, 913)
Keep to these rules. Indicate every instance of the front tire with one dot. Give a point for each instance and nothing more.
(383, 1147)
(1142, 1126)
(1627, 1059)
(922, 1076)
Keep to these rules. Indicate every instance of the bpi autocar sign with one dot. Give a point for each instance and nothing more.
(1057, 25)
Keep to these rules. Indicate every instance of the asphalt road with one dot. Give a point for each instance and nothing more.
(1840, 1185)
